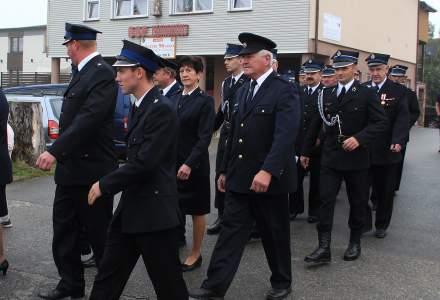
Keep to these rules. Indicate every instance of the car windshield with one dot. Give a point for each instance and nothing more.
(56, 103)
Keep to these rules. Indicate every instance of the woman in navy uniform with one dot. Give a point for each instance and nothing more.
(195, 112)
(6, 171)
(146, 220)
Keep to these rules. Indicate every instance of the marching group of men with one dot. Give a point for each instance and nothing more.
(272, 132)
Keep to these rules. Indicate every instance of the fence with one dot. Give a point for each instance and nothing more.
(14, 78)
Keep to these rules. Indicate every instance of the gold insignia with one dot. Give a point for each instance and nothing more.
(373, 56)
(244, 45)
(310, 61)
(354, 89)
(338, 53)
(156, 100)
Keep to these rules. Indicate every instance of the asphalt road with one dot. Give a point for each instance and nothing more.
(404, 265)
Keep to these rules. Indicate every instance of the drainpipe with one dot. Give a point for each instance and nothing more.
(315, 52)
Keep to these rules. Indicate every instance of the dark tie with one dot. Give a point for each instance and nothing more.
(74, 70)
(161, 91)
(133, 110)
(341, 94)
(182, 100)
(232, 82)
(251, 90)
(310, 91)
(377, 88)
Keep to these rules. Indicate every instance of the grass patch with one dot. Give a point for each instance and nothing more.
(23, 171)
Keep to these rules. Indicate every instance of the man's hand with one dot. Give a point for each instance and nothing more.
(221, 183)
(350, 144)
(45, 161)
(304, 161)
(184, 172)
(396, 148)
(261, 182)
(94, 193)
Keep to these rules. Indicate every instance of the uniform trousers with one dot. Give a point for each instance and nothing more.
(296, 205)
(400, 169)
(356, 182)
(383, 181)
(71, 213)
(3, 203)
(272, 218)
(160, 253)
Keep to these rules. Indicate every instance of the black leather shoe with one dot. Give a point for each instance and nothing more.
(278, 294)
(292, 216)
(322, 254)
(380, 233)
(312, 219)
(215, 227)
(4, 267)
(60, 294)
(204, 294)
(195, 265)
(89, 263)
(353, 251)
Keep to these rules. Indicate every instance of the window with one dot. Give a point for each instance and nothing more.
(192, 6)
(16, 45)
(92, 10)
(130, 8)
(240, 4)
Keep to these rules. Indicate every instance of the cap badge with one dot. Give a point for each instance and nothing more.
(373, 56)
(338, 53)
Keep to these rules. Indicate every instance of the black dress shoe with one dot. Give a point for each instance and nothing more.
(292, 216)
(312, 219)
(4, 267)
(204, 294)
(89, 263)
(380, 233)
(322, 254)
(60, 294)
(278, 294)
(215, 228)
(195, 265)
(353, 251)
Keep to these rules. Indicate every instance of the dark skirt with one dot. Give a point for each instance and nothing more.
(195, 194)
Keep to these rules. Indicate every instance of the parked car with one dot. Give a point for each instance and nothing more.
(51, 91)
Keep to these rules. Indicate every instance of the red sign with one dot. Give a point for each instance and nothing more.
(158, 31)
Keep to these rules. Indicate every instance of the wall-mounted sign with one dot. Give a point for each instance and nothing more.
(158, 31)
(332, 27)
(164, 47)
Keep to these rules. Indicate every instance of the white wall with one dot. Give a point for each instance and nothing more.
(4, 53)
(285, 21)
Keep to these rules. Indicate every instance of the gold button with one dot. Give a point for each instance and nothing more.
(240, 156)
(242, 125)
(262, 110)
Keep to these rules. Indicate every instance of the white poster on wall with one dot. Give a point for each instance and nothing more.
(164, 47)
(332, 27)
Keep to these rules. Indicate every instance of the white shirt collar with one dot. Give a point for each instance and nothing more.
(261, 79)
(183, 93)
(86, 60)
(168, 88)
(313, 87)
(139, 101)
(237, 77)
(380, 85)
(347, 86)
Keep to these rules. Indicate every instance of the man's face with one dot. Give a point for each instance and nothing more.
(72, 51)
(378, 73)
(312, 79)
(128, 79)
(233, 64)
(255, 65)
(328, 81)
(161, 78)
(346, 74)
(302, 80)
(399, 79)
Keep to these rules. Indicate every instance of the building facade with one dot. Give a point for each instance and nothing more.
(203, 27)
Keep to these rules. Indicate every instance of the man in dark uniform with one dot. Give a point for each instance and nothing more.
(230, 86)
(84, 152)
(353, 118)
(165, 78)
(309, 100)
(5, 161)
(260, 172)
(386, 148)
(146, 219)
(398, 74)
(329, 76)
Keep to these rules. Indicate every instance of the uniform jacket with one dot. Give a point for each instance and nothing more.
(361, 116)
(309, 110)
(413, 106)
(5, 161)
(195, 115)
(223, 115)
(84, 149)
(392, 97)
(175, 89)
(262, 137)
(148, 179)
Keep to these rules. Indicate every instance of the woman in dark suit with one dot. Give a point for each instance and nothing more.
(195, 111)
(5, 174)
